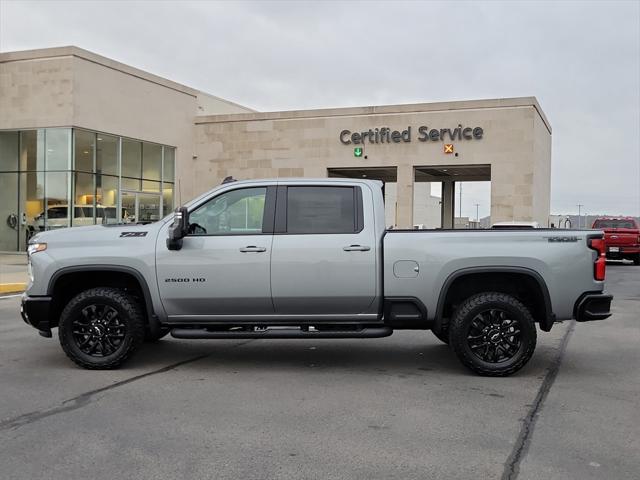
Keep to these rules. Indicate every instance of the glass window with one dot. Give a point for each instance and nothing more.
(58, 148)
(151, 161)
(320, 210)
(238, 212)
(9, 151)
(131, 158)
(169, 164)
(167, 198)
(149, 186)
(106, 190)
(57, 188)
(131, 184)
(32, 200)
(84, 147)
(32, 150)
(148, 208)
(10, 223)
(107, 154)
(614, 223)
(84, 194)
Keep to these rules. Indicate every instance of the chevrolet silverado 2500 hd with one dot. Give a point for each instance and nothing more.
(309, 259)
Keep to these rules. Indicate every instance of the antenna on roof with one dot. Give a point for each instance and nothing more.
(228, 179)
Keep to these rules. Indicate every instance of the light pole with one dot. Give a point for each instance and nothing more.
(477, 214)
(580, 205)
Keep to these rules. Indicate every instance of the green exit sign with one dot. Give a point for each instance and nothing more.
(357, 152)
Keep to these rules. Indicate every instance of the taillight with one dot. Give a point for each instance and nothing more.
(600, 266)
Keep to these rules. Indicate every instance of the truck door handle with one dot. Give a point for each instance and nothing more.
(252, 248)
(356, 248)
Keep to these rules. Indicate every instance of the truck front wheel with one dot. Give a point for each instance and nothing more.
(101, 327)
(493, 334)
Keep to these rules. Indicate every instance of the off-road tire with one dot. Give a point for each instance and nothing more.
(129, 313)
(443, 334)
(461, 324)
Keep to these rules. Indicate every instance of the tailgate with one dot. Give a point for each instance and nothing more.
(620, 237)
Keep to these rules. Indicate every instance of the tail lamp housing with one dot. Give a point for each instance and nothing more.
(600, 265)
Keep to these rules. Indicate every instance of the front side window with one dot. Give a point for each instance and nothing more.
(321, 210)
(238, 212)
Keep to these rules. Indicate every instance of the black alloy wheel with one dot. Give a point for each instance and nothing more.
(493, 334)
(99, 331)
(101, 327)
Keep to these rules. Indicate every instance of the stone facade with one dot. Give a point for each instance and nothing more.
(214, 138)
(516, 144)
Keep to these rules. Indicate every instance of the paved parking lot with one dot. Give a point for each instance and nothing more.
(399, 407)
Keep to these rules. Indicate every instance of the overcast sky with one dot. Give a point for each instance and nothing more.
(580, 59)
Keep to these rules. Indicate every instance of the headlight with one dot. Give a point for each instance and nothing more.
(36, 247)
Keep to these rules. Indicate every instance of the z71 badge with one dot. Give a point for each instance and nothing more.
(133, 234)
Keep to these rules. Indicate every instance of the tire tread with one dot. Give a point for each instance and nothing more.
(135, 326)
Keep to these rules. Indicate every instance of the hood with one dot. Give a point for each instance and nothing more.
(97, 233)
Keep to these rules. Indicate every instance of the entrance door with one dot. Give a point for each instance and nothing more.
(140, 207)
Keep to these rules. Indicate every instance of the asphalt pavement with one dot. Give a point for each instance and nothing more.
(398, 407)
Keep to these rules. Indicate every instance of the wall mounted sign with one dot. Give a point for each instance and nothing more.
(425, 134)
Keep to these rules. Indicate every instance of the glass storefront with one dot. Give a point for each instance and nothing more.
(63, 177)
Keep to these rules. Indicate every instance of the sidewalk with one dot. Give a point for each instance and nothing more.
(13, 272)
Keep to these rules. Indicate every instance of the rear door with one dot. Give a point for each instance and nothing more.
(324, 252)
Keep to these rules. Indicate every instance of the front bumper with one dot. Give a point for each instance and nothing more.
(593, 306)
(35, 312)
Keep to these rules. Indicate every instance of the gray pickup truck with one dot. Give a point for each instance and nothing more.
(311, 259)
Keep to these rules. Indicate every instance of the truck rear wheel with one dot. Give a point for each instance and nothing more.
(101, 327)
(493, 334)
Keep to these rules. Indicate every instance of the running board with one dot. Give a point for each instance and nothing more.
(193, 333)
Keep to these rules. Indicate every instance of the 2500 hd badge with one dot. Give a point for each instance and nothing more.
(185, 280)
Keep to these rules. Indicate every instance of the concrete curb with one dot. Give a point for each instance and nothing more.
(12, 287)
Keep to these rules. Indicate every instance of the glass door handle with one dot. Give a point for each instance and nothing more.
(253, 248)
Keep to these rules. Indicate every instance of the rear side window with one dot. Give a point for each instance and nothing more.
(322, 210)
(614, 224)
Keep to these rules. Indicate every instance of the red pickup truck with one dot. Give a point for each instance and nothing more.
(621, 237)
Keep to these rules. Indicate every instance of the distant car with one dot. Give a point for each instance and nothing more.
(58, 217)
(511, 225)
(621, 237)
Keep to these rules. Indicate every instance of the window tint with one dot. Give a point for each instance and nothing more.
(238, 212)
(321, 210)
(614, 224)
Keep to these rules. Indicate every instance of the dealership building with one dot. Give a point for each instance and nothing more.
(85, 139)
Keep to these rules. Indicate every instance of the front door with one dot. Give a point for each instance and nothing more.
(222, 270)
(324, 253)
(140, 207)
